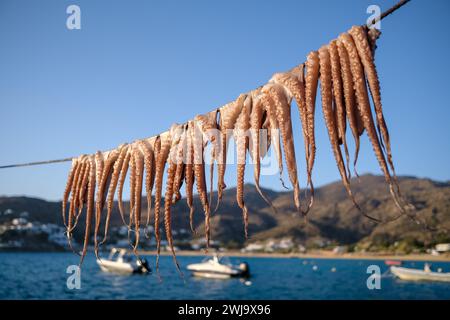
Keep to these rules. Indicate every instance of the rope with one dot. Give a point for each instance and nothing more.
(36, 163)
(382, 16)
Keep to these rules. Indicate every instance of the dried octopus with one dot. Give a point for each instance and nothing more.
(346, 72)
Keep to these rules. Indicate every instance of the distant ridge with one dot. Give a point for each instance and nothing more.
(333, 219)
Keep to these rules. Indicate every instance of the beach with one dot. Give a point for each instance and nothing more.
(319, 254)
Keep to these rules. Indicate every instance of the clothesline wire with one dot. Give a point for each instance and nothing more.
(28, 164)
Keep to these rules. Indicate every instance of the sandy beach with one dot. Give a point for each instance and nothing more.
(314, 255)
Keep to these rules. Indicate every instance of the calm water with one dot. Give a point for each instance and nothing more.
(43, 276)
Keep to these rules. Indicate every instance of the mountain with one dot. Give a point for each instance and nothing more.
(333, 219)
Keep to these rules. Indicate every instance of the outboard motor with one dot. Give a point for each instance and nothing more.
(245, 269)
(143, 266)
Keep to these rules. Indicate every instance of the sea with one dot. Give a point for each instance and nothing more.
(51, 276)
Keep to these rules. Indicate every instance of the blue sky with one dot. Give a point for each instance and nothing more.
(135, 67)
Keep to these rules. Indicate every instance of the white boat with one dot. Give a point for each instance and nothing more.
(120, 262)
(218, 268)
(420, 275)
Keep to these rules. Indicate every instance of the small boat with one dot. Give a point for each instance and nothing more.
(393, 262)
(218, 268)
(420, 275)
(121, 262)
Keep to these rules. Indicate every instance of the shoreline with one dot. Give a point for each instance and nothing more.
(312, 255)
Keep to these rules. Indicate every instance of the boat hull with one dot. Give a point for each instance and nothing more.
(419, 275)
(211, 275)
(213, 269)
(117, 267)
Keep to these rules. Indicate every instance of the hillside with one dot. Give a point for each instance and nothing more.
(333, 218)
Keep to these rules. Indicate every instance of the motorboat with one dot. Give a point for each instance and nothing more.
(218, 268)
(420, 275)
(119, 261)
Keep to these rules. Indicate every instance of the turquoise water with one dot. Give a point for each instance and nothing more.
(43, 276)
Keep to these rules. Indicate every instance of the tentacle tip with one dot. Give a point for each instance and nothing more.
(275, 210)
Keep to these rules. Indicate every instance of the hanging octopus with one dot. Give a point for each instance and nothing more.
(346, 71)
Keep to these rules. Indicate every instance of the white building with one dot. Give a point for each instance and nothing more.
(443, 247)
(19, 221)
(339, 249)
(252, 247)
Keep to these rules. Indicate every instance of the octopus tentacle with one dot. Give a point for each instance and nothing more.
(168, 203)
(132, 189)
(123, 149)
(214, 138)
(242, 140)
(122, 177)
(366, 55)
(77, 205)
(73, 192)
(81, 196)
(207, 124)
(189, 176)
(90, 205)
(311, 81)
(327, 98)
(139, 164)
(294, 84)
(353, 114)
(199, 172)
(359, 37)
(279, 104)
(162, 149)
(256, 124)
(364, 108)
(68, 188)
(74, 201)
(339, 103)
(275, 134)
(179, 170)
(228, 116)
(149, 165)
(99, 166)
(72, 216)
(265, 143)
(102, 191)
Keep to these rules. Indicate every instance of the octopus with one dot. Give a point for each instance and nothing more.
(311, 81)
(228, 116)
(277, 106)
(330, 120)
(79, 172)
(139, 177)
(208, 127)
(161, 149)
(294, 85)
(122, 177)
(199, 172)
(365, 110)
(175, 140)
(257, 124)
(149, 165)
(102, 189)
(241, 137)
(122, 152)
(351, 109)
(338, 99)
(90, 205)
(189, 175)
(364, 48)
(179, 161)
(70, 182)
(347, 74)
